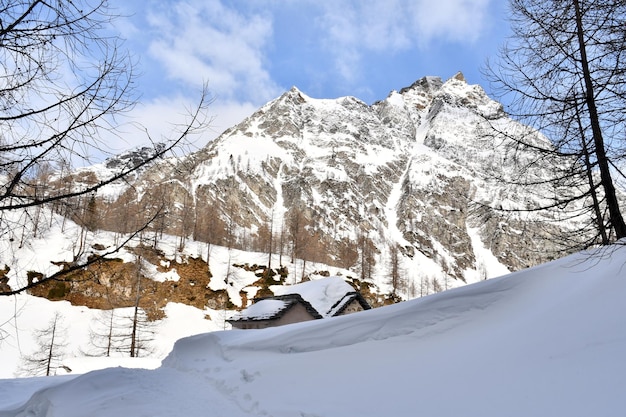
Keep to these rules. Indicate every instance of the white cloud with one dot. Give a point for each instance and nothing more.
(162, 117)
(353, 28)
(450, 20)
(401, 24)
(189, 43)
(228, 45)
(199, 41)
(227, 114)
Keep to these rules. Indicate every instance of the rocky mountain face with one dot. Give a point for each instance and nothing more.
(410, 184)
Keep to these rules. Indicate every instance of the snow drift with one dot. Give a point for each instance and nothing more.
(546, 341)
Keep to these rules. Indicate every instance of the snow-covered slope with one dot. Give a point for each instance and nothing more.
(351, 184)
(58, 241)
(544, 341)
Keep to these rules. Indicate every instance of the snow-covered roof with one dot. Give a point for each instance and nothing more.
(272, 308)
(324, 297)
(322, 293)
(341, 304)
(263, 310)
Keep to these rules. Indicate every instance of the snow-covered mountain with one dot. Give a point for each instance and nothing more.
(410, 185)
(410, 181)
(546, 341)
(400, 197)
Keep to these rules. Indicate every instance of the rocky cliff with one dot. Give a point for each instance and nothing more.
(414, 180)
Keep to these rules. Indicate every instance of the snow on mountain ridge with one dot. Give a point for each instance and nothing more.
(411, 172)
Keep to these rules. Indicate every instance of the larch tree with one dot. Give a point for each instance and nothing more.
(65, 82)
(397, 279)
(367, 251)
(562, 71)
(47, 357)
(102, 334)
(141, 330)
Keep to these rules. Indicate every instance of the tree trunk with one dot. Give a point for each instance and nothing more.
(51, 349)
(617, 221)
(592, 187)
(133, 336)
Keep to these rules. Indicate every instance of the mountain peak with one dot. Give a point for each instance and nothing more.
(404, 171)
(294, 95)
(420, 94)
(459, 77)
(427, 84)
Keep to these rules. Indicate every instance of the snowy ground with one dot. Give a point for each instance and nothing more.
(547, 341)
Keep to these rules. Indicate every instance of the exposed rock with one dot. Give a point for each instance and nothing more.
(419, 170)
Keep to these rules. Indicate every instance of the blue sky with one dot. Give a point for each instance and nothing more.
(252, 51)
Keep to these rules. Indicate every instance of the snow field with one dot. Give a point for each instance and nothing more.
(543, 342)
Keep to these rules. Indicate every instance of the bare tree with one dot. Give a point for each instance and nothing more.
(138, 320)
(563, 72)
(297, 223)
(424, 285)
(437, 285)
(127, 334)
(185, 220)
(312, 249)
(281, 241)
(102, 335)
(366, 255)
(51, 341)
(114, 331)
(64, 83)
(208, 224)
(270, 239)
(397, 281)
(142, 334)
(230, 212)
